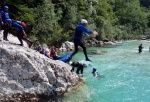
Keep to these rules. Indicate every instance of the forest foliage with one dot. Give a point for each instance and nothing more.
(54, 21)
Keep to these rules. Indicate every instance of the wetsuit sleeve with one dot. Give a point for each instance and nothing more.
(85, 33)
(18, 26)
(85, 30)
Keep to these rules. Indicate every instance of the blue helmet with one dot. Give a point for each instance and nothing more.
(8, 20)
(94, 69)
(6, 7)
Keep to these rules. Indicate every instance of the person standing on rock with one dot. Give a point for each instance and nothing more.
(81, 30)
(4, 15)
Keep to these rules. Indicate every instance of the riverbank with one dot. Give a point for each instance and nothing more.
(69, 46)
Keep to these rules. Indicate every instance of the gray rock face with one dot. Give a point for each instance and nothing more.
(67, 46)
(27, 73)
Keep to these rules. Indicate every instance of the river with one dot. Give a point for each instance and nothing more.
(125, 75)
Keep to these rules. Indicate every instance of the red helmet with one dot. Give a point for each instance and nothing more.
(23, 24)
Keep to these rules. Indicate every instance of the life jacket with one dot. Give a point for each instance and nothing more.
(21, 23)
(4, 15)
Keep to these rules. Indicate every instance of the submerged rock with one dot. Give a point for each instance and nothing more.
(27, 74)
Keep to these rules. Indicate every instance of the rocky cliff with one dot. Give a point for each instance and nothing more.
(27, 74)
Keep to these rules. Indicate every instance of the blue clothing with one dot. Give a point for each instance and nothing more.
(46, 54)
(64, 58)
(80, 31)
(3, 16)
(18, 26)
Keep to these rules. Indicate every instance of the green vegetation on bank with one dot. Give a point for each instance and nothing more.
(54, 21)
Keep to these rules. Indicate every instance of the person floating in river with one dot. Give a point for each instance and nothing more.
(140, 48)
(81, 30)
(95, 73)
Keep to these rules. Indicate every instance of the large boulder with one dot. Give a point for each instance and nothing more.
(27, 74)
(67, 46)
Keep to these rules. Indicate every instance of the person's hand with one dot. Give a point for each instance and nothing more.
(87, 34)
(95, 33)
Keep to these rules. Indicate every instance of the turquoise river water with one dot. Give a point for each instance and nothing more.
(125, 75)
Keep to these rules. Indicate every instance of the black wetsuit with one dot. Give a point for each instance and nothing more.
(79, 67)
(3, 16)
(140, 48)
(79, 32)
(74, 64)
(6, 31)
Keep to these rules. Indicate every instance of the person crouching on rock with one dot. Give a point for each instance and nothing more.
(21, 34)
(79, 66)
(20, 29)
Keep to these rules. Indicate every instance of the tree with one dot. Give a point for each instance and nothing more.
(46, 21)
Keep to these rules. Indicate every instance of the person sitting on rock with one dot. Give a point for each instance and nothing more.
(47, 52)
(40, 49)
(44, 51)
(55, 56)
(54, 53)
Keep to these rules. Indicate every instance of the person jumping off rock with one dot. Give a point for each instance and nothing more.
(79, 32)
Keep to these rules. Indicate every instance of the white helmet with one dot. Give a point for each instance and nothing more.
(83, 21)
(70, 62)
